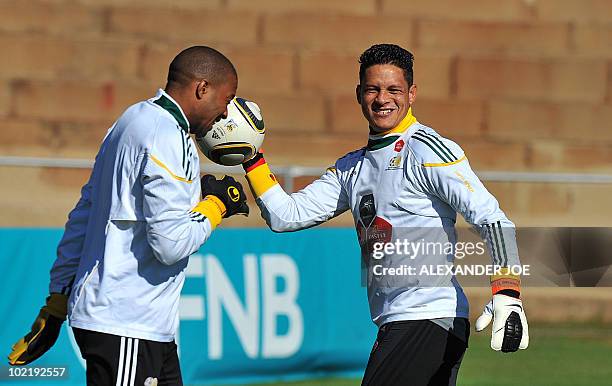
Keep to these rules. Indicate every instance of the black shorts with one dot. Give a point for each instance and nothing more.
(115, 360)
(415, 353)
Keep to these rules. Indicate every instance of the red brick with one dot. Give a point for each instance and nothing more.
(260, 70)
(329, 72)
(339, 74)
(560, 80)
(346, 33)
(482, 10)
(346, 116)
(455, 118)
(588, 156)
(461, 37)
(576, 121)
(49, 18)
(489, 155)
(609, 85)
(558, 156)
(78, 101)
(591, 203)
(509, 195)
(451, 117)
(45, 205)
(358, 7)
(547, 199)
(5, 99)
(18, 134)
(202, 27)
(36, 138)
(574, 10)
(43, 57)
(62, 178)
(171, 4)
(305, 149)
(593, 40)
(432, 75)
(156, 59)
(297, 113)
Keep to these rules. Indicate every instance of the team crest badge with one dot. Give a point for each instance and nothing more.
(395, 163)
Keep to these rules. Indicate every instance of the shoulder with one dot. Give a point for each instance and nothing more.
(430, 148)
(349, 160)
(163, 130)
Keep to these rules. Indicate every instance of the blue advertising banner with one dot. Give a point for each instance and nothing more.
(256, 307)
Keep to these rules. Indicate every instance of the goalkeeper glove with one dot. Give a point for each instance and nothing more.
(510, 330)
(229, 192)
(44, 332)
(258, 175)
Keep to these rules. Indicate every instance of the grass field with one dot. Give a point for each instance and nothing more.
(558, 355)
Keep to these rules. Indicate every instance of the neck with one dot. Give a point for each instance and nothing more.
(179, 97)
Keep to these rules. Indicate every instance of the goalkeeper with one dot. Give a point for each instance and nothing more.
(407, 177)
(120, 264)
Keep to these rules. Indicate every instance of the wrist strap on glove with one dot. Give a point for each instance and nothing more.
(506, 283)
(258, 175)
(212, 208)
(57, 305)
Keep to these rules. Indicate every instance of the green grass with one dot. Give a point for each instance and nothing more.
(558, 355)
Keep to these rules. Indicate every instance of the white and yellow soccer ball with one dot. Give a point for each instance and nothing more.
(237, 138)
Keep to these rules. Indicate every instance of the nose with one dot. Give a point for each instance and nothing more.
(382, 97)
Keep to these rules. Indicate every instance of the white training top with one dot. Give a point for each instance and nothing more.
(127, 241)
(406, 184)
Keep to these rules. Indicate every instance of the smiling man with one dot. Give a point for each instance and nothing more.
(121, 261)
(407, 182)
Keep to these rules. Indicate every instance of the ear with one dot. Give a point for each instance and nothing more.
(412, 92)
(358, 93)
(202, 87)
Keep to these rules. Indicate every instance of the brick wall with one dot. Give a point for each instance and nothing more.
(520, 84)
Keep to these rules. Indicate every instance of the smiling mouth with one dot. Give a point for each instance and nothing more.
(383, 112)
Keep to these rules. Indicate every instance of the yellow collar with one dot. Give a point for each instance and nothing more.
(405, 123)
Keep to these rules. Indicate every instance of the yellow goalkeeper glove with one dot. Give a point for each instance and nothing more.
(44, 333)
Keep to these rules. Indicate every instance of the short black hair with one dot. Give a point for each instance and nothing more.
(387, 54)
(200, 62)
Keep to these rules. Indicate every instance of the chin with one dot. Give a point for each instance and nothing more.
(381, 128)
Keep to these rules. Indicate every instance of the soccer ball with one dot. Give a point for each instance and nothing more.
(237, 138)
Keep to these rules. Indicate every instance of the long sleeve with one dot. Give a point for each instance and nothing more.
(318, 202)
(456, 184)
(175, 227)
(70, 247)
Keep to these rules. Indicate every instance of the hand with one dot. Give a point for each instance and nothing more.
(229, 191)
(510, 330)
(45, 330)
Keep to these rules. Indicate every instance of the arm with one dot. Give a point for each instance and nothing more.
(320, 201)
(47, 325)
(175, 229)
(71, 245)
(455, 183)
(458, 185)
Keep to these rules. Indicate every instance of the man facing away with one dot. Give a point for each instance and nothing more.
(407, 179)
(120, 264)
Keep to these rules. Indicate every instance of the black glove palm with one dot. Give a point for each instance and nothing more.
(44, 332)
(229, 191)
